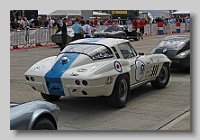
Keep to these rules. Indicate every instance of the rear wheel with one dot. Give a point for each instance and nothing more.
(121, 92)
(59, 44)
(50, 97)
(44, 124)
(137, 37)
(123, 36)
(163, 78)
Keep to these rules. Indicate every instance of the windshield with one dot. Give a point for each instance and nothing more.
(92, 50)
(173, 45)
(113, 28)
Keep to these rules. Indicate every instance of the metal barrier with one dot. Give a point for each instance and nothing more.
(31, 36)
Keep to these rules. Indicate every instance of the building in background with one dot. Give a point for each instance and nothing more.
(23, 13)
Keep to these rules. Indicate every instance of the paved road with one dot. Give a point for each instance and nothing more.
(148, 109)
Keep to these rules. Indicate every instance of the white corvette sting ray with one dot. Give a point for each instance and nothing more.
(94, 67)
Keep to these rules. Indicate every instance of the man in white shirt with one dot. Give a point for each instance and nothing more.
(87, 30)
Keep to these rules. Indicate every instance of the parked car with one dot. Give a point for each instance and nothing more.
(118, 31)
(177, 49)
(95, 67)
(57, 38)
(34, 115)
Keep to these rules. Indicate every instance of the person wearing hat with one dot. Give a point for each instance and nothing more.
(64, 33)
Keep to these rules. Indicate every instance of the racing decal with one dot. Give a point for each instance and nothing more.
(109, 80)
(139, 71)
(154, 70)
(151, 70)
(117, 66)
(53, 76)
(89, 40)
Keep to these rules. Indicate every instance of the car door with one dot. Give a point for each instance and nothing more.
(137, 62)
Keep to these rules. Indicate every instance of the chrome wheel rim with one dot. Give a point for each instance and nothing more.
(163, 75)
(123, 90)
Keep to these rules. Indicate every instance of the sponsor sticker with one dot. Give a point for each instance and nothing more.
(109, 80)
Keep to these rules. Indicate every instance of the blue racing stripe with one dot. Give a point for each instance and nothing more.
(92, 40)
(53, 76)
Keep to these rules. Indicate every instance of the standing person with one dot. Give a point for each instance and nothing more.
(95, 21)
(119, 21)
(64, 33)
(93, 28)
(134, 24)
(142, 24)
(46, 23)
(128, 21)
(87, 30)
(78, 30)
(56, 25)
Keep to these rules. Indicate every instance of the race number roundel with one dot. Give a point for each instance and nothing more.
(139, 71)
(117, 66)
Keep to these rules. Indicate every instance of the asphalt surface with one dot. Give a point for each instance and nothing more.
(148, 109)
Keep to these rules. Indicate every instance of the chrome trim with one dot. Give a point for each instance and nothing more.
(141, 83)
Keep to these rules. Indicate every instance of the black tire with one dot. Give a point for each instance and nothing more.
(121, 92)
(50, 97)
(44, 124)
(163, 78)
(137, 37)
(59, 44)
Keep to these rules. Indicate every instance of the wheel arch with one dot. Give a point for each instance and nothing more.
(46, 115)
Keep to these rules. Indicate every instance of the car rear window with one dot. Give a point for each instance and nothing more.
(92, 50)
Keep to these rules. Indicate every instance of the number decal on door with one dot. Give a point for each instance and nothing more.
(139, 71)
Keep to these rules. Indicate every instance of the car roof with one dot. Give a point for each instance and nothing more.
(109, 42)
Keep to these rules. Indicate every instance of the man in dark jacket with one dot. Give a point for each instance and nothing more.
(64, 33)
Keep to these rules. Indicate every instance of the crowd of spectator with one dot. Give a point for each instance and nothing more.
(22, 23)
(89, 26)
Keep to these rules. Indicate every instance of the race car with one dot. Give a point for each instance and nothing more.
(94, 67)
(118, 31)
(177, 49)
(57, 38)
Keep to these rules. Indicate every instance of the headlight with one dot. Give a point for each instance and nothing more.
(183, 54)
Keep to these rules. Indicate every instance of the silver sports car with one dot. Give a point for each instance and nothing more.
(34, 115)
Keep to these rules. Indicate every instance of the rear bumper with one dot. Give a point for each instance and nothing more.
(73, 90)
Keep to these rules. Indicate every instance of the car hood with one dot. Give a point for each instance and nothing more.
(169, 53)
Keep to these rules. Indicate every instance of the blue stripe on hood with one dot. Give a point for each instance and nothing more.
(53, 76)
(91, 40)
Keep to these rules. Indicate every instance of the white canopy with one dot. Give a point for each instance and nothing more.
(181, 12)
(45, 12)
(65, 13)
(100, 14)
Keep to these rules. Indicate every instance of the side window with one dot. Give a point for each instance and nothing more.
(126, 50)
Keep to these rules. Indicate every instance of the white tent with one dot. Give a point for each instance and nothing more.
(180, 12)
(45, 12)
(66, 13)
(100, 14)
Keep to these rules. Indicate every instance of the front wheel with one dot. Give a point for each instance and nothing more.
(44, 124)
(50, 97)
(121, 92)
(163, 78)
